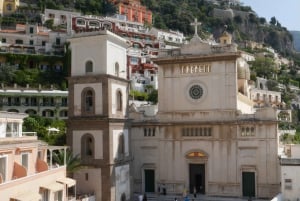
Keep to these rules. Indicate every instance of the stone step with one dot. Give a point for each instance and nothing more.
(155, 197)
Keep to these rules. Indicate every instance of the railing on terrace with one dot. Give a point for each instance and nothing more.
(35, 105)
(33, 52)
(16, 134)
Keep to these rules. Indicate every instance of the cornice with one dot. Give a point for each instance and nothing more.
(197, 58)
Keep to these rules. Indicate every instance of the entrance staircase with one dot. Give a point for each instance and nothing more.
(155, 197)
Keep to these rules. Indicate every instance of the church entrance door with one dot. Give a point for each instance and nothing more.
(149, 181)
(248, 184)
(197, 178)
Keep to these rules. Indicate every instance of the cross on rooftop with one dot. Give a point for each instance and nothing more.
(196, 24)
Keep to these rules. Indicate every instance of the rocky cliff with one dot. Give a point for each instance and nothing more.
(246, 25)
(296, 36)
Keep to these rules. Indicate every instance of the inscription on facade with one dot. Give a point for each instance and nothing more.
(195, 68)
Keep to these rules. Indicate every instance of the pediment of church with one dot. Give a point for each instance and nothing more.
(196, 47)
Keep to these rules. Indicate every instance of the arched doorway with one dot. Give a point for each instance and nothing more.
(123, 197)
(197, 171)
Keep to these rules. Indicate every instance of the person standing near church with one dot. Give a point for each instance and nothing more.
(186, 198)
(195, 192)
(145, 197)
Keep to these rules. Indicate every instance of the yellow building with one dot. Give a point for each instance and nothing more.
(8, 7)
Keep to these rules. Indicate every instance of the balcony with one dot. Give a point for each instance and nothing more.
(47, 176)
(14, 137)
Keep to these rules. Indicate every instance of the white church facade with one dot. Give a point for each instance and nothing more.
(206, 134)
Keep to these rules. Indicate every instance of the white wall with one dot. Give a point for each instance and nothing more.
(293, 173)
(116, 134)
(122, 182)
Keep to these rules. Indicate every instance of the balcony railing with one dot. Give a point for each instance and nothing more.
(34, 104)
(16, 134)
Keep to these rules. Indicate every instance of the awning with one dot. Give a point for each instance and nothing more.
(54, 187)
(68, 181)
(29, 196)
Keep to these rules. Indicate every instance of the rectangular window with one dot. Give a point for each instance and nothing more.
(19, 41)
(247, 131)
(3, 164)
(288, 184)
(196, 132)
(45, 196)
(31, 42)
(3, 40)
(58, 196)
(33, 101)
(86, 176)
(40, 155)
(11, 129)
(31, 30)
(64, 102)
(43, 43)
(57, 41)
(25, 160)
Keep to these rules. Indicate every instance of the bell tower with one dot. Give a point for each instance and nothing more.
(97, 125)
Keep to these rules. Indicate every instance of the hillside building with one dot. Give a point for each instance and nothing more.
(48, 103)
(27, 171)
(134, 11)
(290, 169)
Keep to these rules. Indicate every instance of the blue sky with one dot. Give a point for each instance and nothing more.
(287, 12)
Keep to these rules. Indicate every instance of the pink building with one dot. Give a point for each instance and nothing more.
(27, 171)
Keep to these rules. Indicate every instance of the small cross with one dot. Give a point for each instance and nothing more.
(196, 24)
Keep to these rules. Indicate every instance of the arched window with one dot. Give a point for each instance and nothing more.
(119, 101)
(117, 69)
(87, 145)
(121, 145)
(88, 101)
(89, 67)
(9, 7)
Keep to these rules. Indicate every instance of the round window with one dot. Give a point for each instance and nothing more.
(196, 92)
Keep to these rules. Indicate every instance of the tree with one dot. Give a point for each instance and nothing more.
(272, 85)
(262, 20)
(73, 163)
(49, 23)
(273, 21)
(137, 95)
(264, 67)
(252, 18)
(238, 19)
(153, 96)
(40, 125)
(7, 73)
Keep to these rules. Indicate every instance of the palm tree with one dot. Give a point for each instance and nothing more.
(72, 162)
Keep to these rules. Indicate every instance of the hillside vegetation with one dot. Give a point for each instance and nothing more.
(240, 20)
